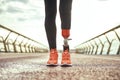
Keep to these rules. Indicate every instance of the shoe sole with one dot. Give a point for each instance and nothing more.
(66, 65)
(52, 65)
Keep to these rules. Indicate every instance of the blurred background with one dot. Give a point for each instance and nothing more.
(89, 19)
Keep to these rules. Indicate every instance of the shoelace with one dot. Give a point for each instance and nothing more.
(52, 55)
(66, 56)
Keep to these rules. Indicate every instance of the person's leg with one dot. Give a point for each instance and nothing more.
(50, 27)
(65, 14)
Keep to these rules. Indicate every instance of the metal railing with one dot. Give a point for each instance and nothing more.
(105, 43)
(12, 41)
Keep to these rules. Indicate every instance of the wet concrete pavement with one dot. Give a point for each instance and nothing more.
(33, 67)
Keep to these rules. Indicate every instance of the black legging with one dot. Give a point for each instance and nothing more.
(50, 16)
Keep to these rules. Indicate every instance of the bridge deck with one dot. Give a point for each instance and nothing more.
(27, 66)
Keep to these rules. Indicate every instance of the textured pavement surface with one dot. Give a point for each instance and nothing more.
(33, 67)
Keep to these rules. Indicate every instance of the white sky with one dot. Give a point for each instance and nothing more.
(89, 18)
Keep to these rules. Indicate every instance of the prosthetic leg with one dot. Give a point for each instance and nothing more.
(66, 46)
(66, 61)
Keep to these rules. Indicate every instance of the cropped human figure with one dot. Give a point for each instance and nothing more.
(65, 8)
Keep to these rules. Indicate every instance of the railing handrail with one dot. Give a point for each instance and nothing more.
(101, 34)
(18, 33)
(84, 47)
(38, 44)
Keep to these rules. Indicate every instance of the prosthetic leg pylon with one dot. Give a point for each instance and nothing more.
(66, 46)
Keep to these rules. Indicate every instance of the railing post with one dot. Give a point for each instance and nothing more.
(9, 43)
(92, 47)
(118, 52)
(2, 42)
(5, 42)
(32, 49)
(20, 45)
(83, 48)
(14, 45)
(25, 45)
(109, 45)
(101, 45)
(86, 48)
(29, 48)
(96, 47)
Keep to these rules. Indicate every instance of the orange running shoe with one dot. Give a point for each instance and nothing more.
(66, 58)
(53, 59)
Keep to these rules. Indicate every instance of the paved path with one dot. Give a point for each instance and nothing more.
(32, 67)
